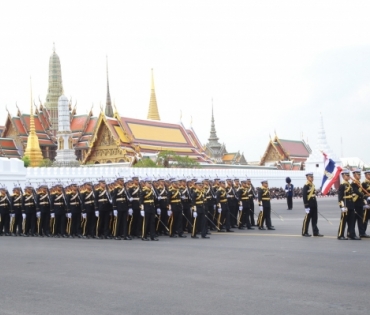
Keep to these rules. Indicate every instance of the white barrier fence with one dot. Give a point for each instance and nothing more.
(13, 172)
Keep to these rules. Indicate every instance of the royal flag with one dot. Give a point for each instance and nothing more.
(331, 174)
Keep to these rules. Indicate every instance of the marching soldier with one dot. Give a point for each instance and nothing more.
(214, 188)
(265, 206)
(175, 210)
(147, 210)
(251, 194)
(74, 206)
(244, 205)
(134, 208)
(310, 205)
(103, 214)
(223, 208)
(232, 203)
(359, 203)
(208, 204)
(58, 212)
(198, 200)
(185, 191)
(120, 211)
(29, 212)
(162, 191)
(89, 206)
(366, 187)
(5, 206)
(347, 206)
(16, 212)
(43, 205)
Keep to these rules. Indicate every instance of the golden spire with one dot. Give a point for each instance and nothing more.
(33, 150)
(153, 113)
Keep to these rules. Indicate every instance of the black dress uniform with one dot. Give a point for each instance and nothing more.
(186, 202)
(345, 198)
(29, 209)
(16, 214)
(89, 206)
(104, 207)
(58, 214)
(265, 214)
(209, 206)
(74, 206)
(134, 203)
(366, 187)
(251, 195)
(224, 216)
(233, 204)
(120, 204)
(5, 206)
(359, 201)
(44, 206)
(161, 228)
(148, 205)
(310, 203)
(175, 221)
(199, 223)
(244, 202)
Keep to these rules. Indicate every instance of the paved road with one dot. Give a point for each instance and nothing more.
(247, 272)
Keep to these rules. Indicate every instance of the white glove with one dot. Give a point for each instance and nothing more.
(214, 207)
(52, 215)
(344, 209)
(23, 216)
(159, 211)
(366, 206)
(115, 213)
(159, 198)
(169, 213)
(368, 198)
(307, 210)
(219, 210)
(69, 215)
(84, 215)
(12, 215)
(142, 213)
(195, 214)
(130, 199)
(97, 214)
(130, 211)
(38, 214)
(261, 208)
(240, 208)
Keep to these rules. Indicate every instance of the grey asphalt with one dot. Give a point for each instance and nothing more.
(246, 272)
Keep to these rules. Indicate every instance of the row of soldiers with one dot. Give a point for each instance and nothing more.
(136, 209)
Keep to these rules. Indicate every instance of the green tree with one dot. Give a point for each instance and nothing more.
(171, 159)
(26, 161)
(46, 163)
(146, 163)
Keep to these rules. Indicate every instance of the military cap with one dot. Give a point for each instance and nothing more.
(248, 178)
(309, 174)
(134, 177)
(120, 178)
(236, 178)
(174, 180)
(44, 186)
(356, 171)
(181, 179)
(217, 178)
(367, 172)
(244, 181)
(199, 182)
(221, 180)
(345, 172)
(147, 179)
(194, 179)
(264, 181)
(160, 179)
(101, 180)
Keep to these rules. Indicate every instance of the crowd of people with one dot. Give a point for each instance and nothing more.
(151, 207)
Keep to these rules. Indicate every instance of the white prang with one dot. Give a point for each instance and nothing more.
(65, 153)
(315, 161)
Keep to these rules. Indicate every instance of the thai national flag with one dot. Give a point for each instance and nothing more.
(331, 174)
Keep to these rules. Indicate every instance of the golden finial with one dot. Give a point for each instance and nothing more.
(153, 113)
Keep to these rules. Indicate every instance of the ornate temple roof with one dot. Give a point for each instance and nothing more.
(8, 148)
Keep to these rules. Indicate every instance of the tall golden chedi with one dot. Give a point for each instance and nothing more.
(33, 151)
(55, 90)
(153, 113)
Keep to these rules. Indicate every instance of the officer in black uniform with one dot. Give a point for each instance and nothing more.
(347, 206)
(89, 206)
(223, 208)
(58, 212)
(198, 213)
(120, 210)
(175, 210)
(232, 202)
(264, 206)
(16, 218)
(134, 208)
(185, 191)
(148, 210)
(251, 194)
(5, 206)
(208, 204)
(29, 212)
(43, 206)
(244, 205)
(104, 204)
(74, 206)
(162, 192)
(310, 205)
(366, 187)
(359, 203)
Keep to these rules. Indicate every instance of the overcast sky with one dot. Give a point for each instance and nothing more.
(268, 65)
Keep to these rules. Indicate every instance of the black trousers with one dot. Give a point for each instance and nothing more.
(43, 224)
(30, 223)
(161, 226)
(251, 212)
(103, 223)
(186, 218)
(233, 208)
(366, 218)
(16, 224)
(199, 223)
(134, 228)
(245, 215)
(120, 224)
(265, 215)
(359, 218)
(347, 218)
(224, 216)
(4, 222)
(59, 224)
(289, 200)
(89, 224)
(176, 220)
(74, 227)
(148, 221)
(311, 216)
